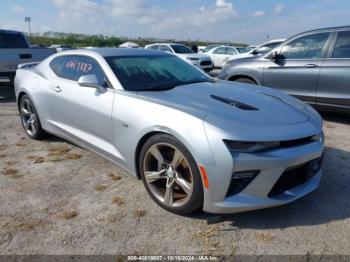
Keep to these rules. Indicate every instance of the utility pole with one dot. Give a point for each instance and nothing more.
(28, 20)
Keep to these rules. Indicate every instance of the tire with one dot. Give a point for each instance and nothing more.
(30, 119)
(181, 176)
(245, 80)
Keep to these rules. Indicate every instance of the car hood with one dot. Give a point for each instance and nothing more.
(195, 55)
(234, 102)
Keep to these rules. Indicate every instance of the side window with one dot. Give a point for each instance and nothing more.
(342, 46)
(231, 51)
(220, 51)
(154, 47)
(73, 67)
(305, 47)
(165, 48)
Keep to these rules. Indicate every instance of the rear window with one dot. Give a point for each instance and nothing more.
(12, 41)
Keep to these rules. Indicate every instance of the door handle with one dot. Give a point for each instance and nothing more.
(57, 89)
(310, 65)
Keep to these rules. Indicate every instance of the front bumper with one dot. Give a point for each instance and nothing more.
(257, 194)
(205, 65)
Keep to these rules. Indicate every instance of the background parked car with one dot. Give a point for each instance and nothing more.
(202, 61)
(60, 48)
(313, 66)
(260, 50)
(14, 50)
(222, 54)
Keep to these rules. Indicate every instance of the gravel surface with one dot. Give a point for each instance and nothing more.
(57, 198)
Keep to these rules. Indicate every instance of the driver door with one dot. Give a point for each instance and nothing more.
(296, 67)
(81, 113)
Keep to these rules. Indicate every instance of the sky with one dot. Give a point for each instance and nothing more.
(247, 21)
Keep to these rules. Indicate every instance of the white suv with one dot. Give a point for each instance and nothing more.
(202, 61)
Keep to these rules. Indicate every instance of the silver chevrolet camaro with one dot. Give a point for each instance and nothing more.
(194, 141)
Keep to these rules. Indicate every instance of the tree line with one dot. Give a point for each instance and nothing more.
(79, 40)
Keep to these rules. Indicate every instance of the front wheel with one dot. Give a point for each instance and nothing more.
(170, 175)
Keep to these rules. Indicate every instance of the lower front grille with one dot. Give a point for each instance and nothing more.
(206, 63)
(296, 176)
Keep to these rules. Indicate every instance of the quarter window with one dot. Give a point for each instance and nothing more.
(231, 51)
(305, 47)
(154, 47)
(342, 47)
(220, 51)
(165, 48)
(73, 67)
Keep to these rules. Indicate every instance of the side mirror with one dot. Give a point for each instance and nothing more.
(275, 56)
(255, 52)
(91, 81)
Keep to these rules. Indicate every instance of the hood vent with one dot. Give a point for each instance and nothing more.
(234, 103)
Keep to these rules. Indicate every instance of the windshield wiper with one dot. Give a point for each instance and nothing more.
(196, 81)
(158, 88)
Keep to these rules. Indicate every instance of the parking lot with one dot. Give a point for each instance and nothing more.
(57, 198)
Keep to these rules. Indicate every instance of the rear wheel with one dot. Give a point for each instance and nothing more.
(245, 80)
(170, 175)
(30, 119)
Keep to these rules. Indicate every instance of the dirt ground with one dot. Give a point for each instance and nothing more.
(56, 198)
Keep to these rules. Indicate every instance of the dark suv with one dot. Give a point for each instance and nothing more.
(313, 66)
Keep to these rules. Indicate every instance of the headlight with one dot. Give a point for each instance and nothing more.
(250, 147)
(192, 58)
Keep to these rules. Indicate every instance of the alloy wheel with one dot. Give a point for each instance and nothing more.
(28, 117)
(168, 174)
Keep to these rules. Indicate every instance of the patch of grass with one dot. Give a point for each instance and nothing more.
(117, 200)
(31, 157)
(139, 213)
(10, 171)
(205, 238)
(57, 153)
(30, 225)
(70, 214)
(100, 188)
(3, 155)
(3, 146)
(20, 144)
(63, 149)
(73, 156)
(39, 160)
(114, 177)
(55, 158)
(10, 163)
(265, 237)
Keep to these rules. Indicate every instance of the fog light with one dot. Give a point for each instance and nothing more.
(240, 180)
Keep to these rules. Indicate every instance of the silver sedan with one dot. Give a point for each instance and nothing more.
(196, 143)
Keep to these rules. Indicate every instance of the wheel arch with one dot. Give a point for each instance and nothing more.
(139, 146)
(20, 95)
(237, 76)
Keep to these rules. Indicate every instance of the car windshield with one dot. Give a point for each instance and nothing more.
(242, 49)
(154, 72)
(181, 49)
